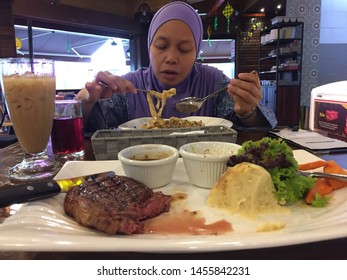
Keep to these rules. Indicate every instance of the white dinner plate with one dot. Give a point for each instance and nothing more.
(207, 121)
(43, 226)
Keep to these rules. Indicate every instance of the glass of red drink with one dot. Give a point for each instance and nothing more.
(67, 133)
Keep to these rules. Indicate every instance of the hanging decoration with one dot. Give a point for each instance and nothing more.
(209, 32)
(246, 36)
(227, 12)
(19, 43)
(215, 25)
(199, 56)
(255, 24)
(68, 45)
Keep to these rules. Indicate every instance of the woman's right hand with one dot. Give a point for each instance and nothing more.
(104, 86)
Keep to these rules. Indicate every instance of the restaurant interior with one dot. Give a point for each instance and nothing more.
(78, 35)
(86, 36)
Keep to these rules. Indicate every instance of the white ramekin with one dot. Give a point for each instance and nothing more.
(206, 161)
(153, 173)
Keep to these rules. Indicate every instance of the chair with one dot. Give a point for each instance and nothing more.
(69, 96)
(9, 137)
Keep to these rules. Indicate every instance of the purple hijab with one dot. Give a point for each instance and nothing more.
(180, 11)
(201, 81)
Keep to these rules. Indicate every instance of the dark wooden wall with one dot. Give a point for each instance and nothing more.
(72, 18)
(248, 54)
(7, 36)
(247, 58)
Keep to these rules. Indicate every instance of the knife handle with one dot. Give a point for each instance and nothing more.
(28, 192)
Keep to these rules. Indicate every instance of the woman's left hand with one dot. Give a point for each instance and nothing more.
(246, 92)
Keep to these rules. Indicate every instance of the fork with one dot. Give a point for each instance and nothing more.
(323, 175)
(142, 90)
(138, 89)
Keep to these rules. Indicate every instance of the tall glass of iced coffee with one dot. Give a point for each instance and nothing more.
(29, 89)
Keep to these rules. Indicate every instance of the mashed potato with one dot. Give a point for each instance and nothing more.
(246, 189)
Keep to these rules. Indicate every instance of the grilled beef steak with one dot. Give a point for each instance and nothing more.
(115, 204)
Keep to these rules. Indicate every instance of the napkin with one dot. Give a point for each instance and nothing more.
(189, 132)
(311, 140)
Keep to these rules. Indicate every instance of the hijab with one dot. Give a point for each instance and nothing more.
(201, 81)
(180, 11)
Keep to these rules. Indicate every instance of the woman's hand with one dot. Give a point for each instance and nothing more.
(104, 86)
(246, 92)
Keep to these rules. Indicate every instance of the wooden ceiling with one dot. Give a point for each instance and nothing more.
(242, 7)
(127, 10)
(211, 7)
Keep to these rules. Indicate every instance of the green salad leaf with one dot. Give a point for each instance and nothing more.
(320, 201)
(278, 159)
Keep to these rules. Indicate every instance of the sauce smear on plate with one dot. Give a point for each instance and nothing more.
(185, 222)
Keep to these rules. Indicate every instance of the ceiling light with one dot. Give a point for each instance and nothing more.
(262, 10)
(53, 2)
(279, 6)
(144, 9)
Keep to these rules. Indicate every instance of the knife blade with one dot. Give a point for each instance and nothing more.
(42, 189)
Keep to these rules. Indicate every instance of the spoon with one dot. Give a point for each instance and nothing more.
(192, 103)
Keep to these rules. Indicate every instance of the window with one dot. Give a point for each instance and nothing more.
(219, 53)
(77, 56)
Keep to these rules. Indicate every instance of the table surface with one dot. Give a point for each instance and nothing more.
(330, 249)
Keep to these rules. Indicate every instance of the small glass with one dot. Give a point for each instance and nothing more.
(29, 89)
(67, 133)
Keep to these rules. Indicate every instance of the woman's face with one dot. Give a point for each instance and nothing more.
(172, 52)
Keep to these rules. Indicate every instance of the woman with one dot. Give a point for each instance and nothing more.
(174, 39)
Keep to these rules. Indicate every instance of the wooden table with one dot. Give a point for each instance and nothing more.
(331, 249)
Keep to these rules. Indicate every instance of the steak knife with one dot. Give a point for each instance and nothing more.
(42, 189)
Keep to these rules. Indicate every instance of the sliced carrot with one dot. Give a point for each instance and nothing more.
(333, 168)
(320, 187)
(312, 165)
(324, 186)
